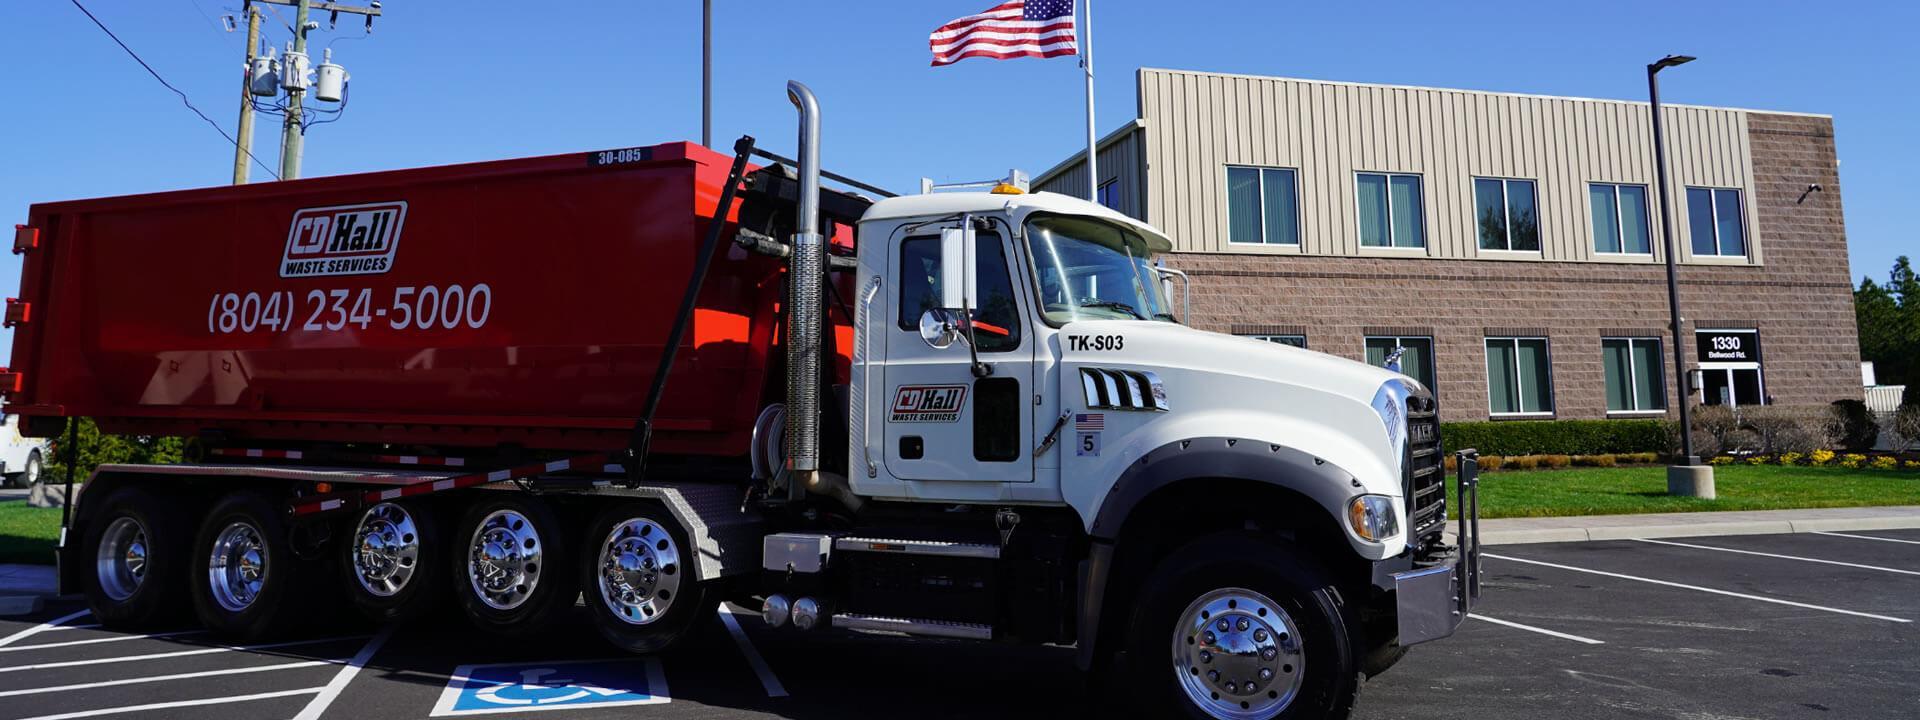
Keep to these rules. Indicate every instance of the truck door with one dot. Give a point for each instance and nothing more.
(941, 422)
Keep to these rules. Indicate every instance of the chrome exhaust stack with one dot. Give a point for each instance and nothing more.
(806, 276)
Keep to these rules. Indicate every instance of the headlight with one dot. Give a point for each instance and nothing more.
(1372, 517)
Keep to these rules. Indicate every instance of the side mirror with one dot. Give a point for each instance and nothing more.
(959, 288)
(938, 329)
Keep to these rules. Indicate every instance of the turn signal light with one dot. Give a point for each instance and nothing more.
(1006, 188)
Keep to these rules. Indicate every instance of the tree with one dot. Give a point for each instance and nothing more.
(98, 448)
(1889, 320)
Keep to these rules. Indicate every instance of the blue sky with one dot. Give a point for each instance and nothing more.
(445, 82)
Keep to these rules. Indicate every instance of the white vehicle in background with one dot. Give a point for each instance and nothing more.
(22, 459)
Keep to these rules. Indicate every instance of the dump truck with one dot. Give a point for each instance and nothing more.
(662, 378)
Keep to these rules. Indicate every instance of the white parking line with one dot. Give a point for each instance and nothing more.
(82, 626)
(1868, 537)
(47, 626)
(174, 654)
(1782, 557)
(176, 704)
(767, 680)
(177, 676)
(1542, 631)
(96, 641)
(1683, 586)
(339, 682)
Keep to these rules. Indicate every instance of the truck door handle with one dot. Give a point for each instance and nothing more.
(1053, 436)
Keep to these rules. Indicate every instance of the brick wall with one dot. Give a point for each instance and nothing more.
(1800, 300)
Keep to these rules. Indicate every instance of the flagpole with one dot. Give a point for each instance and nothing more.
(1086, 61)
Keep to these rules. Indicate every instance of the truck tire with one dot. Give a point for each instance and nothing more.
(247, 583)
(34, 472)
(138, 545)
(510, 569)
(639, 588)
(392, 561)
(1240, 626)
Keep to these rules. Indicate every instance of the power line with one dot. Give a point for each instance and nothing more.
(169, 86)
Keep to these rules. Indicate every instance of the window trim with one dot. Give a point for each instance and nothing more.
(1713, 206)
(1260, 173)
(1633, 376)
(1519, 396)
(1269, 337)
(1506, 210)
(1619, 220)
(1391, 246)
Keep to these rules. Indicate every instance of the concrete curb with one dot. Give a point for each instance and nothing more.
(1517, 531)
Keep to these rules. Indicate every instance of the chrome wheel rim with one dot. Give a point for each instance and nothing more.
(121, 563)
(1237, 655)
(504, 560)
(386, 549)
(238, 567)
(34, 469)
(639, 571)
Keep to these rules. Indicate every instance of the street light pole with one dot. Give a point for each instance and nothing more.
(1688, 476)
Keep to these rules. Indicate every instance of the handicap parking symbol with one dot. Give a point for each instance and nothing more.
(562, 685)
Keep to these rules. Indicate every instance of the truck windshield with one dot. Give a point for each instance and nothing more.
(1092, 269)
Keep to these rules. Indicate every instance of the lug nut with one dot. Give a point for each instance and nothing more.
(1223, 625)
(1242, 625)
(1266, 673)
(1208, 638)
(1232, 688)
(1260, 636)
(1206, 657)
(1269, 654)
(1213, 675)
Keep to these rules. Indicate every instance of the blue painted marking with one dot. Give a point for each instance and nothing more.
(562, 685)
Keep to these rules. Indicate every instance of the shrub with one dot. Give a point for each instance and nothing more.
(1452, 464)
(1524, 462)
(1852, 461)
(1645, 458)
(1720, 460)
(1853, 425)
(1911, 465)
(1904, 431)
(1716, 430)
(1604, 461)
(1820, 457)
(1555, 461)
(1885, 462)
(1787, 428)
(1790, 458)
(1756, 459)
(1558, 437)
(1491, 462)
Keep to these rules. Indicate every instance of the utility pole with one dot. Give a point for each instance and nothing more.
(243, 150)
(706, 73)
(292, 135)
(1686, 476)
(292, 132)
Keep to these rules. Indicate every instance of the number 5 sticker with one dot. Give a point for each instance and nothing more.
(1089, 445)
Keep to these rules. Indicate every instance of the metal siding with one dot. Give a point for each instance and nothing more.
(1199, 123)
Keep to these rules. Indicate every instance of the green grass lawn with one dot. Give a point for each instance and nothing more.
(1615, 491)
(27, 534)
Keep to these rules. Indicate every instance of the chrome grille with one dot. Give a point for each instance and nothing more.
(1425, 474)
(1110, 389)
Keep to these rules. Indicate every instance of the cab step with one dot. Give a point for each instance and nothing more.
(937, 548)
(914, 626)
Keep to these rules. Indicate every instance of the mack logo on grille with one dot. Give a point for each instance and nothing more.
(928, 403)
(343, 240)
(1422, 433)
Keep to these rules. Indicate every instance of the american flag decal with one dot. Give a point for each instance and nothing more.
(1087, 422)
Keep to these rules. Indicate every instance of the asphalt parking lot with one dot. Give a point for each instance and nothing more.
(1776, 626)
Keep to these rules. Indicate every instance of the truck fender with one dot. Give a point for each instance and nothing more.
(1208, 458)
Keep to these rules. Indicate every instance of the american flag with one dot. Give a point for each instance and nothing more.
(1089, 422)
(1016, 28)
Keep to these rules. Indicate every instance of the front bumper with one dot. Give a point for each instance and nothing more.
(1431, 602)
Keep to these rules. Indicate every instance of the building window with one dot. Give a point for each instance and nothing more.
(1635, 380)
(1715, 223)
(1619, 219)
(1519, 376)
(1263, 206)
(1504, 212)
(1108, 194)
(1389, 207)
(1299, 341)
(1416, 362)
